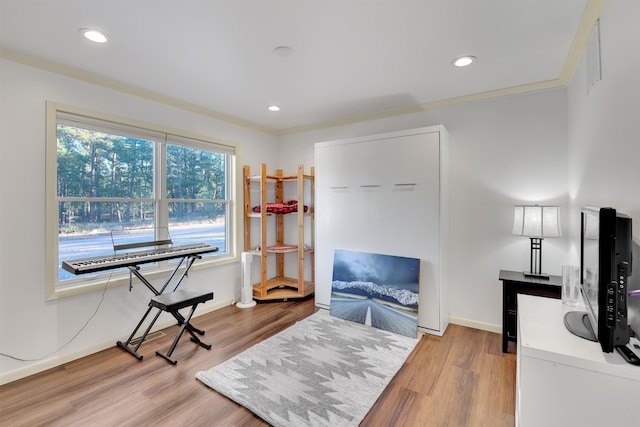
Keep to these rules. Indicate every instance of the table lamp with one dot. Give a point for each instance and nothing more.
(536, 222)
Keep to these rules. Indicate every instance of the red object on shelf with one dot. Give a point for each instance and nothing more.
(281, 208)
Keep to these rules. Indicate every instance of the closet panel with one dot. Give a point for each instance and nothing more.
(344, 166)
(384, 198)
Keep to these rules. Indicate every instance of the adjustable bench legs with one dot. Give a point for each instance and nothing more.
(183, 327)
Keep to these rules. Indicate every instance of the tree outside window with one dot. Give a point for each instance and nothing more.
(117, 182)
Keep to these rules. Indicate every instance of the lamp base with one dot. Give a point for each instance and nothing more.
(542, 276)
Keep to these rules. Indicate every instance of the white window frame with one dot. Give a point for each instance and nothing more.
(92, 283)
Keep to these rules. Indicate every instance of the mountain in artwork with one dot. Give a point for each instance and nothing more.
(373, 290)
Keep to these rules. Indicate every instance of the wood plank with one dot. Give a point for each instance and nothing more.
(263, 229)
(279, 288)
(459, 379)
(248, 213)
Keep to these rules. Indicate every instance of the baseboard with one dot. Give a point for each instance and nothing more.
(54, 361)
(454, 320)
(476, 325)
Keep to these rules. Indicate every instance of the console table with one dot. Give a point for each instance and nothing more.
(514, 283)
(564, 380)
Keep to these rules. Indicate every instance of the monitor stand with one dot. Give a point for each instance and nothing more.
(577, 322)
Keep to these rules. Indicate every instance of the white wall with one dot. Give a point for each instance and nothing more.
(557, 146)
(604, 126)
(503, 152)
(30, 327)
(604, 130)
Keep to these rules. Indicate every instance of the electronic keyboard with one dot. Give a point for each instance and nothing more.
(108, 262)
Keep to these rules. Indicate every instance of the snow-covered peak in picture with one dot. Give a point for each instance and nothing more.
(376, 290)
(401, 296)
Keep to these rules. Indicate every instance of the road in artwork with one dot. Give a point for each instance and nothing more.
(376, 290)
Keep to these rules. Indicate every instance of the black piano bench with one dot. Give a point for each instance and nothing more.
(174, 301)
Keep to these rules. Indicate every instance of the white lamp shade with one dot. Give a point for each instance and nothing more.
(536, 221)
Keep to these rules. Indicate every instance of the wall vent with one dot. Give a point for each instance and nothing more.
(594, 68)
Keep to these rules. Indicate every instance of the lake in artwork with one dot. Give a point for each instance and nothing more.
(376, 290)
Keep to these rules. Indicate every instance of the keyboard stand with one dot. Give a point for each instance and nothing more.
(131, 345)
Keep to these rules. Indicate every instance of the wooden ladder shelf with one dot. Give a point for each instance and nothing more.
(275, 232)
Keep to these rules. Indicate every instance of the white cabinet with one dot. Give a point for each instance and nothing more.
(564, 380)
(387, 194)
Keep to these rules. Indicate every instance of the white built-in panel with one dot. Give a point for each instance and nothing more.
(381, 194)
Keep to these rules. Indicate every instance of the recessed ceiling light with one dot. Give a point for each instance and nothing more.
(94, 35)
(273, 108)
(283, 51)
(463, 61)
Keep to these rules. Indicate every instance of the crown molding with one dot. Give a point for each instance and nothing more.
(75, 73)
(515, 90)
(592, 13)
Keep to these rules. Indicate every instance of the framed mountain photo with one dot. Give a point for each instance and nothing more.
(376, 290)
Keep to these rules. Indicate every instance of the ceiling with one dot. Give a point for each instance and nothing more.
(351, 60)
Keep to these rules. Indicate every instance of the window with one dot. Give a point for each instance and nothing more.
(111, 183)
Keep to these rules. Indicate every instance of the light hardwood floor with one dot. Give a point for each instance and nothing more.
(460, 379)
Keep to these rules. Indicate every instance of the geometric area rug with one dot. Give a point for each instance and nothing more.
(322, 371)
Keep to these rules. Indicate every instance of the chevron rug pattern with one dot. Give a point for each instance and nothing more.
(322, 371)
